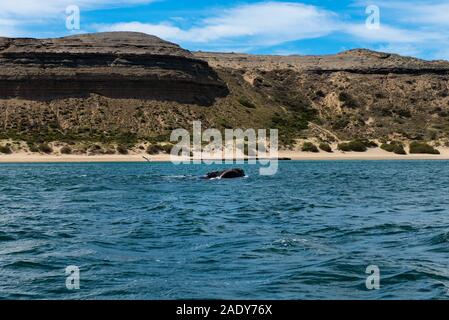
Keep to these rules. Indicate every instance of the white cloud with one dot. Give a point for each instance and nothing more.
(435, 15)
(387, 33)
(266, 23)
(45, 8)
(8, 27)
(163, 30)
(420, 27)
(441, 53)
(17, 15)
(402, 49)
(272, 23)
(429, 12)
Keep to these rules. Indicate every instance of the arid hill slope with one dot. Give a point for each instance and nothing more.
(357, 93)
(129, 86)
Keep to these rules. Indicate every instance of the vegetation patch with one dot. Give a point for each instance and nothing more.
(66, 150)
(95, 149)
(358, 145)
(122, 149)
(422, 147)
(45, 148)
(347, 100)
(341, 123)
(33, 147)
(309, 147)
(289, 128)
(154, 149)
(167, 148)
(5, 149)
(325, 147)
(246, 103)
(46, 135)
(403, 113)
(394, 146)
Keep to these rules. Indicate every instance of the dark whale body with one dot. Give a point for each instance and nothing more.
(226, 174)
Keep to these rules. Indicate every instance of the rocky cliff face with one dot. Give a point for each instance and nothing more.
(115, 65)
(111, 85)
(359, 61)
(357, 93)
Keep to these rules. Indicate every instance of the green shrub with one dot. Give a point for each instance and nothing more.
(394, 146)
(45, 148)
(66, 150)
(95, 149)
(344, 146)
(403, 113)
(341, 123)
(309, 147)
(154, 149)
(368, 143)
(290, 127)
(5, 149)
(122, 149)
(246, 103)
(33, 148)
(399, 150)
(167, 148)
(358, 145)
(343, 96)
(325, 147)
(387, 147)
(347, 99)
(422, 147)
(320, 94)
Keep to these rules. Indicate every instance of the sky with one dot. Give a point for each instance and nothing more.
(412, 28)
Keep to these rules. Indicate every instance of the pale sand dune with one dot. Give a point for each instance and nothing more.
(372, 154)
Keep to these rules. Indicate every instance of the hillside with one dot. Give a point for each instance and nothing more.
(127, 87)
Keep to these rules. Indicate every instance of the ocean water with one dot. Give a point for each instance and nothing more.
(157, 231)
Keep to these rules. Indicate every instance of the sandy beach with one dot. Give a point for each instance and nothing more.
(371, 154)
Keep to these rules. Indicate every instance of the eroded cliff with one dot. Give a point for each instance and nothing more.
(130, 86)
(117, 65)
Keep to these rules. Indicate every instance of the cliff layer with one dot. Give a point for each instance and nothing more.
(116, 65)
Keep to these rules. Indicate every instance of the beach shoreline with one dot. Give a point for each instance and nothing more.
(371, 154)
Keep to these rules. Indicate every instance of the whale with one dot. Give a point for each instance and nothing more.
(226, 174)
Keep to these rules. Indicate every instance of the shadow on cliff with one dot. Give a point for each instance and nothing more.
(50, 76)
(159, 90)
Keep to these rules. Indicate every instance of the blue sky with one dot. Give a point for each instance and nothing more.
(414, 28)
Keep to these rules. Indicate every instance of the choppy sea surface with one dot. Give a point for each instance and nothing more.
(157, 231)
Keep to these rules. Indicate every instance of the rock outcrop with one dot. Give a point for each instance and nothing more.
(361, 61)
(115, 65)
